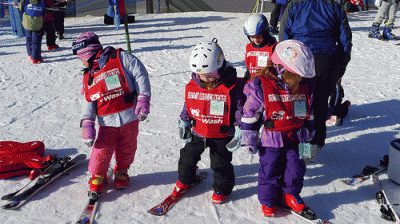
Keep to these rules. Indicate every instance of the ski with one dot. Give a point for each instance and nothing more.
(170, 201)
(63, 166)
(304, 217)
(365, 174)
(89, 212)
(33, 175)
(387, 211)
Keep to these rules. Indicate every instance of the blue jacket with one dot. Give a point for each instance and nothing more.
(322, 25)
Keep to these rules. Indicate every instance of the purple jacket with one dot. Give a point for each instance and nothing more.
(254, 109)
(238, 99)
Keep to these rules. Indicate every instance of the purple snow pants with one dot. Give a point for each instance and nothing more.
(280, 170)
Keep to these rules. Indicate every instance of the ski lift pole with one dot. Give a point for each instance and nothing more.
(128, 42)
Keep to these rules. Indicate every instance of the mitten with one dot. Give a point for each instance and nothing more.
(185, 131)
(142, 107)
(250, 140)
(88, 131)
(309, 152)
(234, 144)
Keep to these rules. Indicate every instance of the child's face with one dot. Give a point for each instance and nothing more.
(292, 79)
(207, 77)
(257, 39)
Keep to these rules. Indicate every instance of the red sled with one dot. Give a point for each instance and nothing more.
(17, 159)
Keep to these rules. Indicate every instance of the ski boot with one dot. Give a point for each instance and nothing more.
(121, 178)
(387, 33)
(49, 48)
(218, 198)
(297, 204)
(269, 210)
(38, 61)
(293, 201)
(374, 33)
(180, 189)
(97, 182)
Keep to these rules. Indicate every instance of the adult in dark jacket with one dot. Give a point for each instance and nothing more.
(323, 26)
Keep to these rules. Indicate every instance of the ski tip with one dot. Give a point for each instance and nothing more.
(157, 212)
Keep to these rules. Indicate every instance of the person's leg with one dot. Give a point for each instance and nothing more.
(190, 154)
(221, 158)
(327, 70)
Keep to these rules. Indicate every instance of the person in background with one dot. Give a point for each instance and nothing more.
(261, 45)
(59, 18)
(275, 14)
(116, 88)
(48, 26)
(387, 10)
(322, 25)
(32, 21)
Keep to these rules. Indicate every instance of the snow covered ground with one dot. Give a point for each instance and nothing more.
(42, 102)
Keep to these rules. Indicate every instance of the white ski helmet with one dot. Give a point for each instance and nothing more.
(255, 24)
(206, 57)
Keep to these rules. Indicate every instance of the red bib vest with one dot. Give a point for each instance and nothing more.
(279, 106)
(109, 87)
(210, 109)
(257, 58)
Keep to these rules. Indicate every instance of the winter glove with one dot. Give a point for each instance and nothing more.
(252, 149)
(234, 144)
(185, 131)
(308, 152)
(142, 107)
(88, 131)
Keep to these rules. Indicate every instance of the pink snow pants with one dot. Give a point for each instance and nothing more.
(122, 141)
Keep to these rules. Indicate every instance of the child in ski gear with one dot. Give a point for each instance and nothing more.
(210, 118)
(259, 50)
(387, 10)
(281, 96)
(116, 87)
(32, 21)
(327, 33)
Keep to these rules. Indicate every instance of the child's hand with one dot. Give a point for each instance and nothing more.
(234, 144)
(88, 131)
(142, 107)
(185, 131)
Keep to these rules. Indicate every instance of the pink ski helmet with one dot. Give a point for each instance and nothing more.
(295, 57)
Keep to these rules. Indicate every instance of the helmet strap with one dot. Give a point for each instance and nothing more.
(280, 77)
